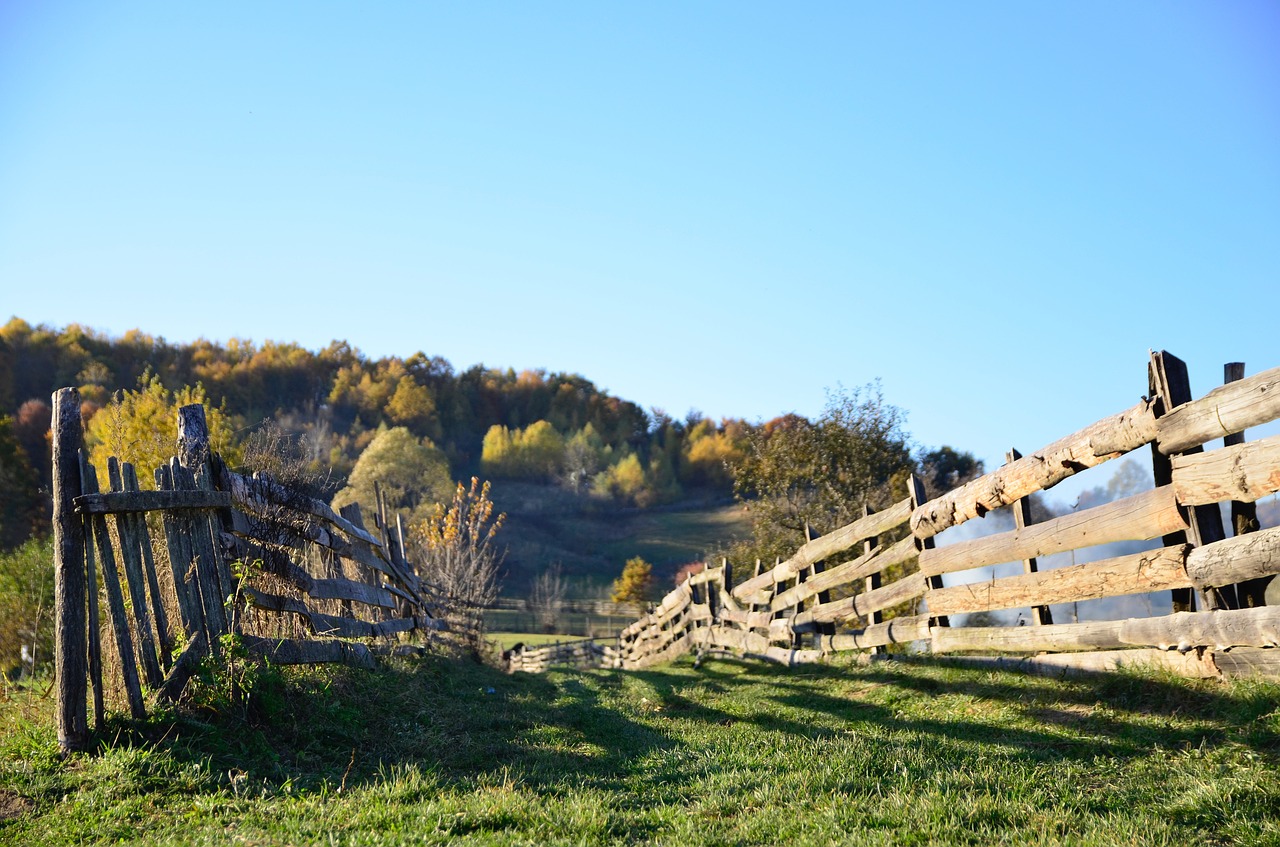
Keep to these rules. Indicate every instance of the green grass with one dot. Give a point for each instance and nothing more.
(432, 752)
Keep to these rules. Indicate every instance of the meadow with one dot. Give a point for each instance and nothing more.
(432, 751)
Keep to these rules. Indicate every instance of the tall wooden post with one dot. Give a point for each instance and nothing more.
(69, 581)
(873, 580)
(1040, 615)
(1170, 387)
(916, 489)
(1244, 516)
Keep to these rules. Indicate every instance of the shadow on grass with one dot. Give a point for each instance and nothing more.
(463, 723)
(1117, 714)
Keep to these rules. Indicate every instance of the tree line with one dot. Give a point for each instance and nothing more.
(416, 426)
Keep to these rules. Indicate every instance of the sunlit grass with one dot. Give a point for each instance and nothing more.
(434, 752)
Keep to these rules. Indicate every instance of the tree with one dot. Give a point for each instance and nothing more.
(455, 553)
(26, 606)
(547, 599)
(21, 506)
(141, 427)
(412, 473)
(635, 583)
(798, 475)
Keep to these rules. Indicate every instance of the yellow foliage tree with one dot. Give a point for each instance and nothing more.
(141, 427)
(635, 584)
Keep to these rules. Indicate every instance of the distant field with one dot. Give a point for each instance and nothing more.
(429, 751)
(546, 525)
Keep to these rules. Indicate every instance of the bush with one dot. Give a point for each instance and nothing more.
(26, 607)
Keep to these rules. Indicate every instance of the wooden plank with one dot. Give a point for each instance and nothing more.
(1244, 515)
(306, 652)
(1235, 559)
(861, 606)
(826, 546)
(180, 559)
(95, 635)
(915, 488)
(895, 631)
(873, 580)
(831, 578)
(1093, 445)
(1171, 385)
(183, 669)
(1136, 573)
(1251, 662)
(1245, 472)
(115, 597)
(1192, 665)
(348, 589)
(1094, 635)
(1138, 518)
(1168, 385)
(122, 502)
(1225, 410)
(1219, 630)
(69, 576)
(261, 493)
(1040, 615)
(131, 557)
(143, 537)
(203, 567)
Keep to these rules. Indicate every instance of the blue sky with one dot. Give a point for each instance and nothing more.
(994, 208)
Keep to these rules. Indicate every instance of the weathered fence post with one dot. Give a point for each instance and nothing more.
(1167, 380)
(1040, 615)
(915, 488)
(69, 581)
(1244, 516)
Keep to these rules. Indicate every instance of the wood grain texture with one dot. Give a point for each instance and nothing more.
(1136, 573)
(1235, 559)
(1228, 409)
(69, 576)
(1042, 469)
(1138, 518)
(1094, 635)
(1244, 472)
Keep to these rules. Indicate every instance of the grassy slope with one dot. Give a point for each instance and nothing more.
(426, 753)
(545, 525)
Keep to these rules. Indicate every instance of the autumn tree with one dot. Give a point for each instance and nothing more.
(547, 598)
(635, 584)
(21, 511)
(797, 475)
(141, 427)
(412, 473)
(454, 550)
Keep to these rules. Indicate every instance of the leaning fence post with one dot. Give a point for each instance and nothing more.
(70, 655)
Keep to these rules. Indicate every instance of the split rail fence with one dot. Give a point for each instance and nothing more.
(209, 554)
(834, 595)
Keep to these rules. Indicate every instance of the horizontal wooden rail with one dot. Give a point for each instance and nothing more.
(1225, 410)
(1141, 517)
(827, 545)
(1137, 573)
(1245, 473)
(1093, 445)
(119, 502)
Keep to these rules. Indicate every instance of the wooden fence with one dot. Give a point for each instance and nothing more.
(830, 596)
(583, 653)
(208, 554)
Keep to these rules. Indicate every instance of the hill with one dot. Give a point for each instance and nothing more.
(547, 525)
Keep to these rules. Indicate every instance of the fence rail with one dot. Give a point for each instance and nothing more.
(835, 593)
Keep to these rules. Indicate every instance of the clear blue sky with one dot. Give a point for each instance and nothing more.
(995, 208)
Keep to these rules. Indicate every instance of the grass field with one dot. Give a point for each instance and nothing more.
(430, 751)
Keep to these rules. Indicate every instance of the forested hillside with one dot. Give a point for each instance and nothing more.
(573, 465)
